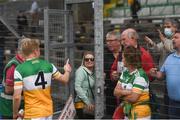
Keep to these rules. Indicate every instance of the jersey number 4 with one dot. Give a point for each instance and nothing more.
(40, 80)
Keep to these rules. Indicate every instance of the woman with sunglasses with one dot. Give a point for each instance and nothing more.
(84, 87)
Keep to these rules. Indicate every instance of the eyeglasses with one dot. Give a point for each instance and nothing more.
(88, 59)
(111, 40)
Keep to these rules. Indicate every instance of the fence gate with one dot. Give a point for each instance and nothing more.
(58, 41)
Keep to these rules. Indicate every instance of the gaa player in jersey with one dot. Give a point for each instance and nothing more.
(33, 77)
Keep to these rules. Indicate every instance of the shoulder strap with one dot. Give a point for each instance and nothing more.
(89, 84)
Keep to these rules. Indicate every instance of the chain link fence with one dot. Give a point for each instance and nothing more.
(62, 38)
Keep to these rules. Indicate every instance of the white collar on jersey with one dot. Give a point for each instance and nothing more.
(31, 58)
(133, 71)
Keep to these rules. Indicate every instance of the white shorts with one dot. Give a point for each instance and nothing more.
(43, 118)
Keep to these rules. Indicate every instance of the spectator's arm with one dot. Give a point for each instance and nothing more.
(64, 78)
(149, 41)
(161, 36)
(16, 102)
(168, 44)
(157, 74)
(139, 85)
(18, 87)
(119, 91)
(9, 82)
(153, 45)
(132, 98)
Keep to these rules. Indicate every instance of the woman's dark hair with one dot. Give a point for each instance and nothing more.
(132, 56)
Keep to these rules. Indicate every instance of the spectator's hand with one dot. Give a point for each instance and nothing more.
(153, 72)
(21, 116)
(67, 67)
(115, 75)
(148, 40)
(117, 90)
(90, 107)
(118, 86)
(161, 36)
(15, 117)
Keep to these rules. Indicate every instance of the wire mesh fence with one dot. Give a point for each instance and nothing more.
(67, 39)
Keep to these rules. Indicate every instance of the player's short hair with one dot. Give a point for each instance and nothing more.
(28, 45)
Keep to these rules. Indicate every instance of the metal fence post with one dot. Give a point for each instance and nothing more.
(46, 34)
(71, 52)
(69, 35)
(99, 53)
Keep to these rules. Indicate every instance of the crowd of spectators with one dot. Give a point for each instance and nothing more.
(129, 68)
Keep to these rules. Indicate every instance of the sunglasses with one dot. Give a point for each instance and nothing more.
(88, 59)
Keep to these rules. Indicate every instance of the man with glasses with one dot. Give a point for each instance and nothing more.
(111, 55)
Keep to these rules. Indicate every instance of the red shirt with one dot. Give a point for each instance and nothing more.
(115, 64)
(114, 67)
(147, 61)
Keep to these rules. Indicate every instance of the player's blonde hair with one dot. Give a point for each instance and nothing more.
(28, 45)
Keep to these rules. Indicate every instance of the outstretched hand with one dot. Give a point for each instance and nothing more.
(67, 66)
(161, 36)
(148, 40)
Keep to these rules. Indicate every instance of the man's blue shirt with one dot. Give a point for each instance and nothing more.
(171, 68)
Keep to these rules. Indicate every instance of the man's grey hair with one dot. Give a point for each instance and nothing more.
(174, 22)
(133, 34)
(115, 33)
